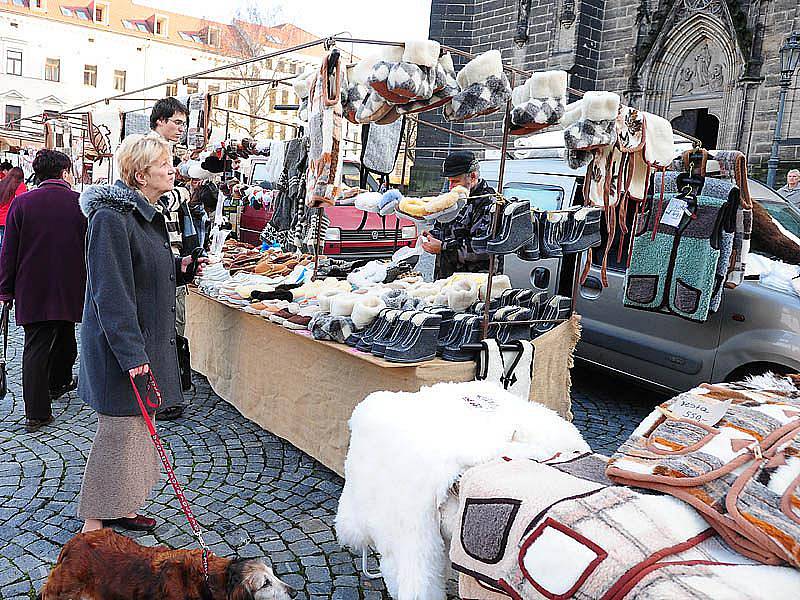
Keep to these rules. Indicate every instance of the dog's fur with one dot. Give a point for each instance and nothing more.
(767, 238)
(100, 565)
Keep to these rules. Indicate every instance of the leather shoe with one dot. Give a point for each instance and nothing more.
(64, 389)
(137, 523)
(170, 414)
(32, 425)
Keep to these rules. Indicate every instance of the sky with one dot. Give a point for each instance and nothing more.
(362, 18)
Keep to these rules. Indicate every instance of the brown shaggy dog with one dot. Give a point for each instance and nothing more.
(103, 565)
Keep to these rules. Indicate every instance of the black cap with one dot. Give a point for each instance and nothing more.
(459, 162)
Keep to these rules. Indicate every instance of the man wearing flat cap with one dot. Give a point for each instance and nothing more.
(452, 241)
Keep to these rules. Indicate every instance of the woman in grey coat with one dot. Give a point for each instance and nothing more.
(128, 329)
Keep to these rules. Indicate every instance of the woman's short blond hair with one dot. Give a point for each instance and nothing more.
(136, 153)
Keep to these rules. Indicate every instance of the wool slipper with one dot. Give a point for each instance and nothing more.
(546, 104)
(484, 88)
(297, 322)
(597, 126)
(462, 294)
(445, 87)
(274, 295)
(337, 328)
(500, 283)
(368, 201)
(342, 305)
(366, 310)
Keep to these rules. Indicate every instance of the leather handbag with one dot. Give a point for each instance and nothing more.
(4, 327)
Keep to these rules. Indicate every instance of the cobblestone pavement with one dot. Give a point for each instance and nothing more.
(255, 494)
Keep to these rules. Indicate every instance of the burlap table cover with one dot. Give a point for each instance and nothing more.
(304, 390)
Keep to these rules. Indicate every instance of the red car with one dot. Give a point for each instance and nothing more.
(352, 234)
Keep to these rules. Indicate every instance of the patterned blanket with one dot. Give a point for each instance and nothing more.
(532, 530)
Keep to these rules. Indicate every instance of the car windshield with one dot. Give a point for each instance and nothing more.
(784, 214)
(540, 196)
(351, 178)
(259, 173)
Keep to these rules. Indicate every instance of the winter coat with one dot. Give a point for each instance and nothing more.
(129, 313)
(42, 265)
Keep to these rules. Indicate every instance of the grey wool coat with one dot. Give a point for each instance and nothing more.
(129, 312)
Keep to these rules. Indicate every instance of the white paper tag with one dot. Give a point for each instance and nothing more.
(706, 412)
(674, 212)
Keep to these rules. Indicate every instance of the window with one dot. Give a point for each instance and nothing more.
(119, 80)
(540, 196)
(213, 36)
(191, 88)
(50, 114)
(101, 13)
(172, 89)
(213, 90)
(52, 69)
(233, 100)
(128, 24)
(90, 75)
(162, 26)
(143, 27)
(67, 12)
(82, 14)
(14, 62)
(13, 115)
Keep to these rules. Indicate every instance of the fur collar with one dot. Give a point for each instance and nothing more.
(117, 197)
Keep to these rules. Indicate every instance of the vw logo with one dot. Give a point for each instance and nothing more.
(376, 234)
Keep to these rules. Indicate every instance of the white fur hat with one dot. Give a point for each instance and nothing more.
(600, 106)
(365, 310)
(480, 68)
(424, 53)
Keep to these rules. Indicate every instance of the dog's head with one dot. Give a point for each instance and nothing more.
(251, 579)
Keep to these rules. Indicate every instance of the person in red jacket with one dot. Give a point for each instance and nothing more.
(12, 185)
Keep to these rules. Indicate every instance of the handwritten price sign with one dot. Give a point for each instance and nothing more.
(694, 408)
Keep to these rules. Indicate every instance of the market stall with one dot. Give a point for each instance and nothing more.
(304, 390)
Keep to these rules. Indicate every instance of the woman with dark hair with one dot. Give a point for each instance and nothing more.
(12, 185)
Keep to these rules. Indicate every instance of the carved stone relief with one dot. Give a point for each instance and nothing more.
(700, 73)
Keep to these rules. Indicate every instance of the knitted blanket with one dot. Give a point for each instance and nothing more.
(562, 530)
(733, 452)
(407, 450)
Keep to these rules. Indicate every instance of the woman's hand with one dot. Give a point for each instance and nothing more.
(140, 370)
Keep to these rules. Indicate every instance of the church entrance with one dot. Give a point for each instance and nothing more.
(699, 123)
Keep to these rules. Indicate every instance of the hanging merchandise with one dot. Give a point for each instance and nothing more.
(484, 88)
(444, 88)
(412, 78)
(197, 127)
(290, 184)
(380, 145)
(513, 375)
(302, 85)
(135, 122)
(357, 89)
(274, 166)
(325, 155)
(676, 252)
(594, 130)
(539, 102)
(58, 135)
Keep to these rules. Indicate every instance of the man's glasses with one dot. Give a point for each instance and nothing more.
(177, 122)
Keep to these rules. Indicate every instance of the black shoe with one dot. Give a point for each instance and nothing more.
(170, 414)
(516, 229)
(64, 389)
(32, 425)
(137, 523)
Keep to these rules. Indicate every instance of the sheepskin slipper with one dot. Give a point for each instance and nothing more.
(478, 99)
(597, 126)
(408, 82)
(373, 108)
(366, 310)
(500, 283)
(389, 202)
(444, 88)
(357, 89)
(342, 305)
(546, 101)
(422, 207)
(368, 201)
(462, 294)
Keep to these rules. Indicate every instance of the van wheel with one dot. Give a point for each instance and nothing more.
(758, 368)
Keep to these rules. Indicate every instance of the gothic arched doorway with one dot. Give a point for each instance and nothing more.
(699, 123)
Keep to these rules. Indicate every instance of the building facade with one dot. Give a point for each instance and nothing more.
(56, 55)
(711, 67)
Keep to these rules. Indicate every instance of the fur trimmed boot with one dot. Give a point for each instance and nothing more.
(484, 88)
(544, 101)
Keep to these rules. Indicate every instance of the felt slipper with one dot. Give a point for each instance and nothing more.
(366, 310)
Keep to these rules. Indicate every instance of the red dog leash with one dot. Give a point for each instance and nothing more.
(153, 387)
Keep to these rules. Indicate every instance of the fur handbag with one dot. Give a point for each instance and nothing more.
(484, 88)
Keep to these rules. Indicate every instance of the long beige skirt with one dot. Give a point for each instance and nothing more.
(122, 469)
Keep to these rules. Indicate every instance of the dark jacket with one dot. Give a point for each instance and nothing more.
(129, 314)
(473, 221)
(42, 263)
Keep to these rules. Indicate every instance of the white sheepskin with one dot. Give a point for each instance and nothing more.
(392, 54)
(342, 304)
(424, 53)
(572, 113)
(520, 95)
(359, 73)
(771, 382)
(600, 106)
(659, 145)
(500, 283)
(446, 60)
(462, 294)
(480, 68)
(548, 84)
(365, 310)
(406, 451)
(368, 201)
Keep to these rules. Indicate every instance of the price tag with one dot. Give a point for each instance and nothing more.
(693, 408)
(674, 212)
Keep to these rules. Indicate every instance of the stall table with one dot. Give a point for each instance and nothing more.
(305, 390)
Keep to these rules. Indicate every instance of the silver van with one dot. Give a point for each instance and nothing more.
(756, 329)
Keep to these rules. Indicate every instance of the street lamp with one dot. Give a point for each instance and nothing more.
(790, 60)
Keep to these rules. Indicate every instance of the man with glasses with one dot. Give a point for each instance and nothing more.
(168, 119)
